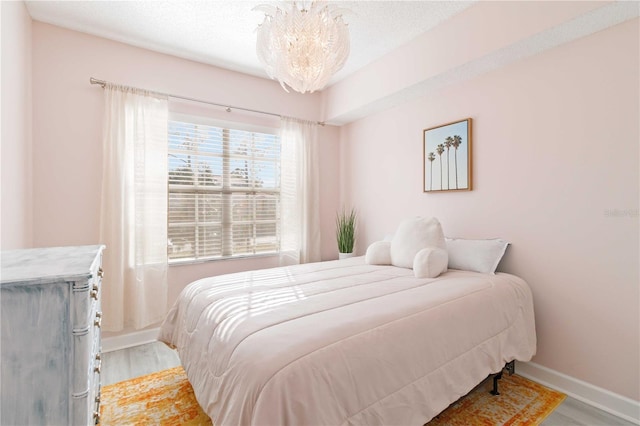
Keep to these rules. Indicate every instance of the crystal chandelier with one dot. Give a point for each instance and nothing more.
(302, 47)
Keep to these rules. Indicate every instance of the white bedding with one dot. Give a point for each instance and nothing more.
(342, 342)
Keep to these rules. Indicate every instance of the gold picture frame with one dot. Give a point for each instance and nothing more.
(449, 147)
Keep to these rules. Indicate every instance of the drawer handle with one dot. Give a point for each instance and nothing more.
(96, 416)
(96, 369)
(98, 399)
(100, 273)
(99, 314)
(98, 322)
(94, 294)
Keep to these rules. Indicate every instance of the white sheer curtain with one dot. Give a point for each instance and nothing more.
(133, 220)
(299, 192)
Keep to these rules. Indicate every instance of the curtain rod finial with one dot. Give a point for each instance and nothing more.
(102, 83)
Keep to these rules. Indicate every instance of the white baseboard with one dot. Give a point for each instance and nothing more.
(595, 396)
(129, 340)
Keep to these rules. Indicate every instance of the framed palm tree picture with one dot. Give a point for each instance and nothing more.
(446, 157)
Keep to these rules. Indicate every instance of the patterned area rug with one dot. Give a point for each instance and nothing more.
(521, 402)
(167, 398)
(163, 398)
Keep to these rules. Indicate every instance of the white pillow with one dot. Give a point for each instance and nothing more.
(430, 262)
(379, 253)
(412, 236)
(476, 255)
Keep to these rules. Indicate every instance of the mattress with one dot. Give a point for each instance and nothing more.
(343, 342)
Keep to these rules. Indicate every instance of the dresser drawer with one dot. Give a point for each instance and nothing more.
(94, 398)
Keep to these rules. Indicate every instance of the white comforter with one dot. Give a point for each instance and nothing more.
(342, 342)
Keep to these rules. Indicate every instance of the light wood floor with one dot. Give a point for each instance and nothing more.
(140, 360)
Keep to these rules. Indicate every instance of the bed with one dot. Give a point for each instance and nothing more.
(345, 342)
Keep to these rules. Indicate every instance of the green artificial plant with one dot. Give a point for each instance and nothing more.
(346, 230)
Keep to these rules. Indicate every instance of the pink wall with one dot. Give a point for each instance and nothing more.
(67, 120)
(15, 152)
(555, 152)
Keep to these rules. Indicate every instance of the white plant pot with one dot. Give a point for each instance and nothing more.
(345, 255)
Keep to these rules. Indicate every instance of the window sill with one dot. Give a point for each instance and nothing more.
(183, 262)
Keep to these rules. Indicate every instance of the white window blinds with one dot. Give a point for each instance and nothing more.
(224, 191)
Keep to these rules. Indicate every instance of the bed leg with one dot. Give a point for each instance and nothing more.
(496, 377)
(511, 369)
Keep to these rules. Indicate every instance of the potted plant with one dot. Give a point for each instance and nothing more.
(346, 233)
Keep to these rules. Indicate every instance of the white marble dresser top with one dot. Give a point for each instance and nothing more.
(41, 265)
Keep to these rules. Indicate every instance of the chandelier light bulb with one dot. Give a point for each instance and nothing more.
(302, 47)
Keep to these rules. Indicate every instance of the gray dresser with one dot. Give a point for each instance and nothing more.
(50, 335)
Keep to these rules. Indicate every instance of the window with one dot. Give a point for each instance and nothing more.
(224, 191)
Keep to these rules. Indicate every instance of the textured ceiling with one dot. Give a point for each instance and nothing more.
(222, 32)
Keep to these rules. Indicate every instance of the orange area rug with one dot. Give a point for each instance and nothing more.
(521, 402)
(166, 398)
(163, 398)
